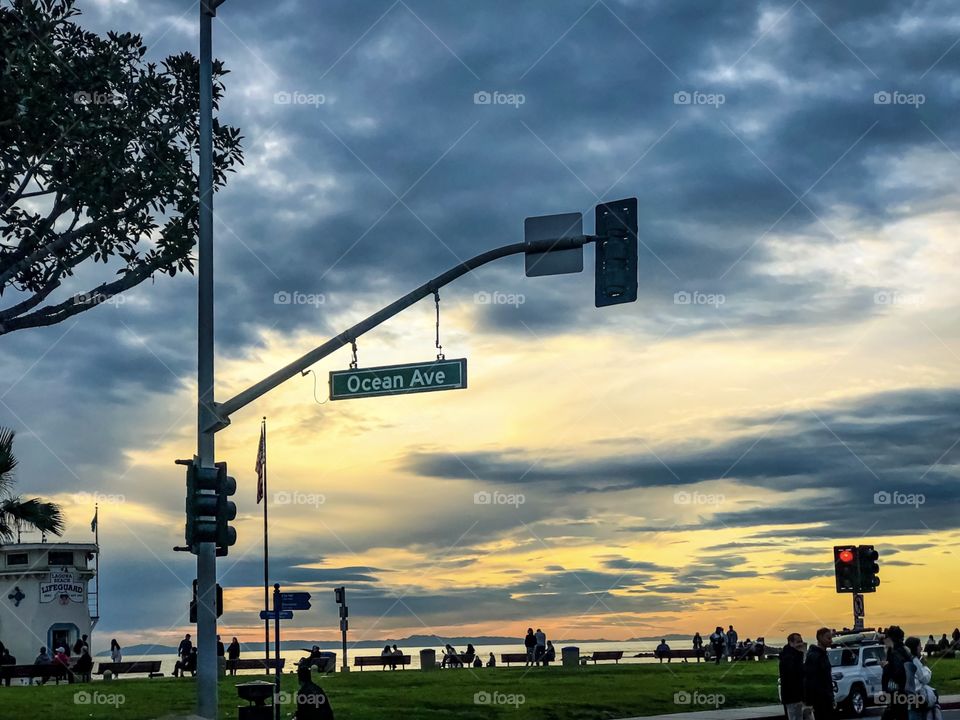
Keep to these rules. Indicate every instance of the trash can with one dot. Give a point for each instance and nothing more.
(256, 694)
(571, 656)
(326, 663)
(428, 659)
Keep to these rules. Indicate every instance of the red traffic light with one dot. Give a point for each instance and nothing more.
(845, 556)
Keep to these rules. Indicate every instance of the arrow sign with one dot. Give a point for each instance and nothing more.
(295, 601)
(274, 614)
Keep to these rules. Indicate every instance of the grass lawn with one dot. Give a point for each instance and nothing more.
(590, 693)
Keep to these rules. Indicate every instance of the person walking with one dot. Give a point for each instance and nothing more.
(530, 645)
(697, 646)
(541, 647)
(791, 679)
(818, 678)
(921, 698)
(894, 677)
(732, 638)
(717, 643)
(116, 654)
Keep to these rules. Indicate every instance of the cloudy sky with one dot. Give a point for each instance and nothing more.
(787, 380)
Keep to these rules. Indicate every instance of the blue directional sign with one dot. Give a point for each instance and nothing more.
(295, 601)
(274, 614)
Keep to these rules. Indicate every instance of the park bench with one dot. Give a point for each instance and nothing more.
(255, 664)
(614, 655)
(44, 672)
(150, 667)
(466, 659)
(507, 658)
(685, 653)
(384, 661)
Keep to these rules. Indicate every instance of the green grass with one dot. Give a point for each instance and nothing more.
(592, 693)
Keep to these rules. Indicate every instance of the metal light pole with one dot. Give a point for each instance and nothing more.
(207, 700)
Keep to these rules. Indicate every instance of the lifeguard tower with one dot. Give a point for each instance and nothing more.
(46, 598)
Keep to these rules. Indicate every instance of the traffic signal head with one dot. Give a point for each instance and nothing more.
(616, 267)
(846, 568)
(208, 509)
(226, 509)
(339, 593)
(867, 558)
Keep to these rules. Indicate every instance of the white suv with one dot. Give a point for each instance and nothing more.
(856, 675)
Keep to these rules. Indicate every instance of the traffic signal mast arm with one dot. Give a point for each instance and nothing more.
(224, 410)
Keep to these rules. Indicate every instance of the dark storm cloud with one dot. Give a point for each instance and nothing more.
(886, 461)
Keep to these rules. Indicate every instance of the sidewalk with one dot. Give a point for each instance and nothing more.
(761, 712)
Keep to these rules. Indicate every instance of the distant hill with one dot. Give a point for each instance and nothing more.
(412, 641)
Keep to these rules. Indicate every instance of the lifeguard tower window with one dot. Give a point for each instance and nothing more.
(59, 557)
(16, 559)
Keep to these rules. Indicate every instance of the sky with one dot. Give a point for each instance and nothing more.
(786, 381)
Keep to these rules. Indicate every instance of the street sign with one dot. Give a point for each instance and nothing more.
(294, 601)
(272, 614)
(398, 379)
(553, 227)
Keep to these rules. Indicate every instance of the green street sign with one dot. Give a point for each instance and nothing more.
(398, 379)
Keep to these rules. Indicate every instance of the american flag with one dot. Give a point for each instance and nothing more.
(261, 461)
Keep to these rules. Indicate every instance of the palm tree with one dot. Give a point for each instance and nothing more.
(15, 512)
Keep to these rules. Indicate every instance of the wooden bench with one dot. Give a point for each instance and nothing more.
(683, 654)
(255, 664)
(384, 661)
(507, 658)
(150, 667)
(45, 672)
(465, 660)
(614, 655)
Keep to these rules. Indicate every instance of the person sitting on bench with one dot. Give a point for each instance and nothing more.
(550, 654)
(84, 665)
(451, 657)
(188, 664)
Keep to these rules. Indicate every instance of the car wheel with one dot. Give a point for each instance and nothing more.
(857, 702)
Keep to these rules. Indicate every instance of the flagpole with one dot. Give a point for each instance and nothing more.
(266, 550)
